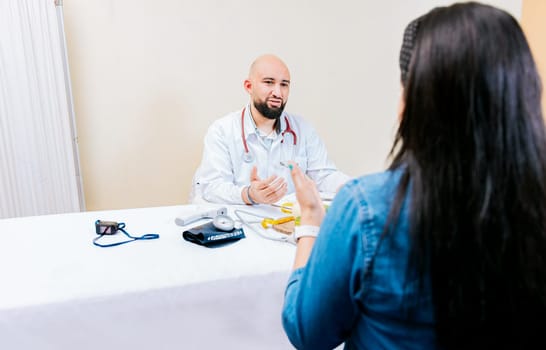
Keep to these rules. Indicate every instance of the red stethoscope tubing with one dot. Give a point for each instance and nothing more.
(287, 130)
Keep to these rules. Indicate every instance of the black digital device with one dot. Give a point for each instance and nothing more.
(106, 227)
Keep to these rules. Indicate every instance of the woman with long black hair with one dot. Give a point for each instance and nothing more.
(447, 248)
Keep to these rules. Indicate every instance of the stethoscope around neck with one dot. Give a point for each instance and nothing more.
(247, 156)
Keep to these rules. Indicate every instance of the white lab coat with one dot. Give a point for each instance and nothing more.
(223, 172)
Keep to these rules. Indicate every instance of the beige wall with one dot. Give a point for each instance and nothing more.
(533, 21)
(148, 78)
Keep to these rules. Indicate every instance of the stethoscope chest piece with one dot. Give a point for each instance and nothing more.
(247, 157)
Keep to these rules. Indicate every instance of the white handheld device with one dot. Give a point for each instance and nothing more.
(210, 214)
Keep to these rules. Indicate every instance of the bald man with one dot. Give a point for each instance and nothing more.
(244, 152)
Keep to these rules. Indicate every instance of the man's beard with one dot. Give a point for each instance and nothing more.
(266, 111)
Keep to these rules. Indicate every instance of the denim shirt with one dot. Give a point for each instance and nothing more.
(354, 287)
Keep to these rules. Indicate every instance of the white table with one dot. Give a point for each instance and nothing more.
(59, 291)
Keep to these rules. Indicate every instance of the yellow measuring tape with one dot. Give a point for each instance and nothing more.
(270, 222)
(290, 208)
(287, 207)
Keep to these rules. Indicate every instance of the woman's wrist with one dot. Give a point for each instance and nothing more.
(312, 217)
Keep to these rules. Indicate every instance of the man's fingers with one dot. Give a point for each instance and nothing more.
(281, 192)
(271, 179)
(271, 182)
(273, 191)
(273, 187)
(277, 195)
(278, 182)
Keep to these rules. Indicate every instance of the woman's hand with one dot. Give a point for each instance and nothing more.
(311, 206)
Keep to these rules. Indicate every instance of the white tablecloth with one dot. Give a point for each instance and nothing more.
(59, 291)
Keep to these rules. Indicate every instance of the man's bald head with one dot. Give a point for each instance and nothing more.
(268, 62)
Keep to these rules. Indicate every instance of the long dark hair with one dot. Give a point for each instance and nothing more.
(471, 146)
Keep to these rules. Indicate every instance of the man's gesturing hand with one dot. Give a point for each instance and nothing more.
(266, 191)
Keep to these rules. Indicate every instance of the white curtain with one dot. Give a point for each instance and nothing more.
(39, 166)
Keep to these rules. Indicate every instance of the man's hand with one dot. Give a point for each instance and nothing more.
(266, 191)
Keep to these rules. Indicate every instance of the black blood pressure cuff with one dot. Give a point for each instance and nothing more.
(209, 236)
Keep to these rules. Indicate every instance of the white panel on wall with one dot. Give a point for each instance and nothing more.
(38, 160)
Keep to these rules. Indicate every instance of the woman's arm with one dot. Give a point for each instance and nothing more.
(319, 310)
